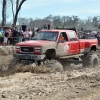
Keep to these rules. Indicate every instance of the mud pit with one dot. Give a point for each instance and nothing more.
(76, 83)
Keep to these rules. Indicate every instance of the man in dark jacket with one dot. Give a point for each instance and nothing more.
(24, 27)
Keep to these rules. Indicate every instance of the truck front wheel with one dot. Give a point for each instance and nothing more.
(54, 65)
(13, 62)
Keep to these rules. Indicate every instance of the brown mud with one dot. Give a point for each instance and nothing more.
(27, 82)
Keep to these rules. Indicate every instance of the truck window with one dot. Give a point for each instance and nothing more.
(49, 36)
(72, 36)
(64, 35)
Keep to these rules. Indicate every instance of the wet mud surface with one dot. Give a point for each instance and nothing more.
(76, 83)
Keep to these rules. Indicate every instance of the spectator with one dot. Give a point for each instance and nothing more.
(49, 26)
(45, 26)
(20, 32)
(2, 33)
(24, 27)
(6, 34)
(10, 36)
(30, 33)
(1, 39)
(33, 32)
(38, 29)
(26, 35)
(14, 35)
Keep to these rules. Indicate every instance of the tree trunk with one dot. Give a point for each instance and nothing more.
(12, 4)
(17, 11)
(4, 13)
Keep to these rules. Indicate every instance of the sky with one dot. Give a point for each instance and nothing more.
(43, 8)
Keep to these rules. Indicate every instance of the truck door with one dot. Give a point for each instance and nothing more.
(73, 43)
(62, 46)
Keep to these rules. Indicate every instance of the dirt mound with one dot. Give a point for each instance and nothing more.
(7, 50)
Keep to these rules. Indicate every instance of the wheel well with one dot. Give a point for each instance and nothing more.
(93, 48)
(51, 53)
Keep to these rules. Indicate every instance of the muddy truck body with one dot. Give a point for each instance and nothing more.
(46, 45)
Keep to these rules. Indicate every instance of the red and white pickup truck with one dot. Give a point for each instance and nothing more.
(46, 44)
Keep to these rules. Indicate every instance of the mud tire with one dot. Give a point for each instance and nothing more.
(91, 60)
(12, 63)
(54, 65)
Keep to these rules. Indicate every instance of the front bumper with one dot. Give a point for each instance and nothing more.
(29, 56)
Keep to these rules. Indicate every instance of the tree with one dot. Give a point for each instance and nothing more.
(12, 7)
(95, 21)
(18, 8)
(57, 21)
(4, 2)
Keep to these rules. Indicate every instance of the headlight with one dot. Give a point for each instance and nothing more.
(17, 50)
(37, 50)
(17, 47)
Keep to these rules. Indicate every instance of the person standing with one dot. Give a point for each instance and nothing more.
(45, 26)
(20, 32)
(14, 35)
(49, 26)
(26, 35)
(33, 32)
(6, 34)
(10, 36)
(1, 39)
(24, 27)
(30, 33)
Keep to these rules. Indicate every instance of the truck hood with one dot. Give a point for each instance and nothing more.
(33, 43)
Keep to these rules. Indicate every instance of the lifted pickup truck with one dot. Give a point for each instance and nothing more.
(47, 45)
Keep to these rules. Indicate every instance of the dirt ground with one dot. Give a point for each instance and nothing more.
(75, 84)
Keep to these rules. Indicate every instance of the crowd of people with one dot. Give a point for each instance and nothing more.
(89, 35)
(12, 35)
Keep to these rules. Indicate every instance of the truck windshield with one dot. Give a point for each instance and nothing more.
(49, 36)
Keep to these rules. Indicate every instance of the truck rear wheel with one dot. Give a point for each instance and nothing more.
(91, 60)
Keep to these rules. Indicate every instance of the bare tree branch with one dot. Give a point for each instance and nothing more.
(4, 12)
(17, 11)
(17, 4)
(12, 5)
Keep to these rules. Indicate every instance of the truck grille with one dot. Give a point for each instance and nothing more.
(26, 49)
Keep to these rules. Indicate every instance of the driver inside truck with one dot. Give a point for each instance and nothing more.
(61, 37)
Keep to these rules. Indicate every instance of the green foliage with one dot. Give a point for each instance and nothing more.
(57, 27)
(42, 27)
